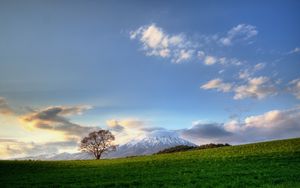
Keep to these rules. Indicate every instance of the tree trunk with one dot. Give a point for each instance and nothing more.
(98, 157)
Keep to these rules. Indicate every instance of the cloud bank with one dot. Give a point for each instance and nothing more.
(275, 124)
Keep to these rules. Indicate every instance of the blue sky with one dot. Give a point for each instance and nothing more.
(227, 61)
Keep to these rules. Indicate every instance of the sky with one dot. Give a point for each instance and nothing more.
(206, 71)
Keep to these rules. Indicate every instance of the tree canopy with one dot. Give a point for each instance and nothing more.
(98, 143)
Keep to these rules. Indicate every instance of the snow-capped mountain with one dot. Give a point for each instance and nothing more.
(148, 145)
(144, 146)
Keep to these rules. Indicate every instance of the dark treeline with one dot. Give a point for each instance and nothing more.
(188, 148)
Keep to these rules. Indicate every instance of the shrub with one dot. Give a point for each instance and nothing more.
(177, 149)
(181, 148)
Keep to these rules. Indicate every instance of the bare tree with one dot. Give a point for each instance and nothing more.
(98, 142)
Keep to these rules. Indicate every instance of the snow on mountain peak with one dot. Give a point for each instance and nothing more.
(148, 145)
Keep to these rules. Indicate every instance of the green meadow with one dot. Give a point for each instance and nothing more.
(267, 164)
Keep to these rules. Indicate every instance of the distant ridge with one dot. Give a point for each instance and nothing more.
(144, 146)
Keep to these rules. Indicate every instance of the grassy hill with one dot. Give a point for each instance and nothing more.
(268, 164)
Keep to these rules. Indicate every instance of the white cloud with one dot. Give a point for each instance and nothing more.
(183, 55)
(230, 61)
(201, 55)
(176, 48)
(225, 41)
(257, 87)
(164, 52)
(177, 40)
(246, 74)
(241, 32)
(217, 84)
(259, 66)
(154, 37)
(210, 60)
(158, 43)
(294, 87)
(295, 50)
(221, 71)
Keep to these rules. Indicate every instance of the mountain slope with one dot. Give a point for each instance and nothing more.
(148, 145)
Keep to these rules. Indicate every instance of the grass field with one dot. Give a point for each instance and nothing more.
(268, 164)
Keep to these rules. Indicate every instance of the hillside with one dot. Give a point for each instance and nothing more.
(267, 164)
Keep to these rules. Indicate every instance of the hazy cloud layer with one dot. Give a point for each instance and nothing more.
(204, 131)
(131, 124)
(126, 123)
(130, 129)
(14, 148)
(294, 87)
(239, 33)
(5, 109)
(55, 119)
(295, 51)
(248, 73)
